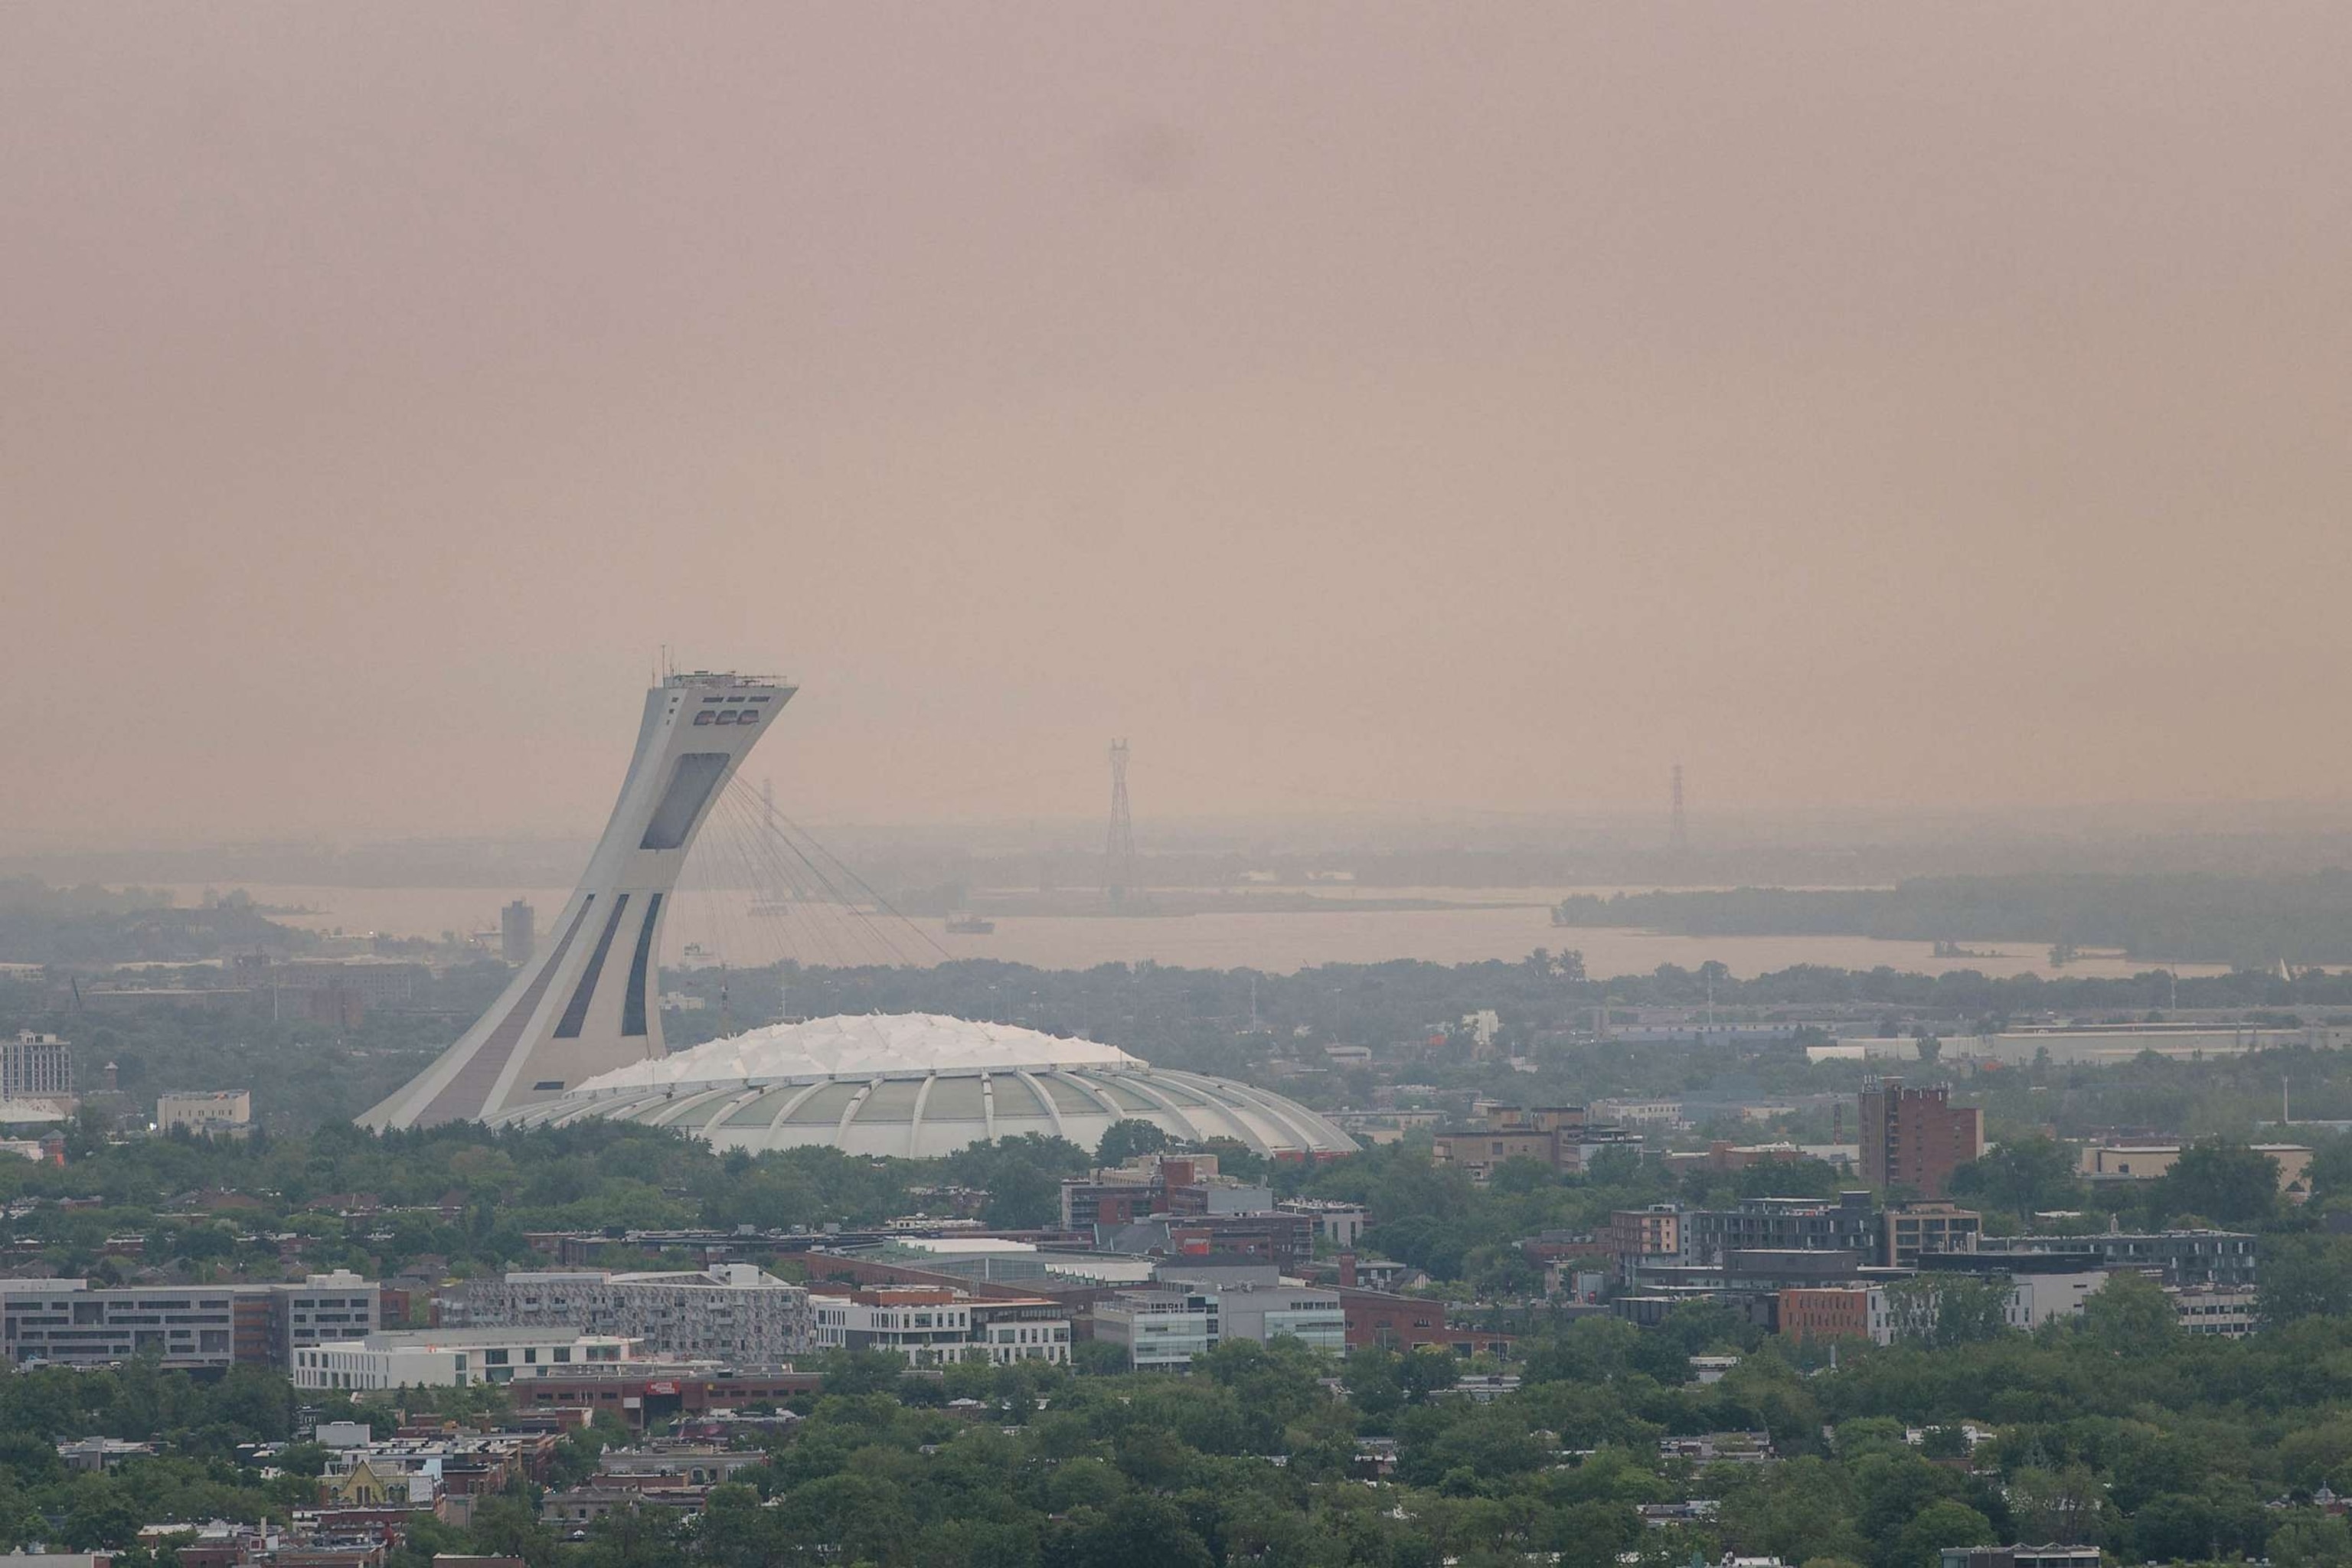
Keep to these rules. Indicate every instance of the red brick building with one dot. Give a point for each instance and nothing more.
(1376, 1318)
(1915, 1138)
(1832, 1312)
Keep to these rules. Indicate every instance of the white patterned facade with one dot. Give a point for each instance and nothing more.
(732, 1312)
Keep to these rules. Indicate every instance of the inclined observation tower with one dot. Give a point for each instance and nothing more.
(587, 1002)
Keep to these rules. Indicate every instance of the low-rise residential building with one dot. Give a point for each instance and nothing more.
(1930, 1226)
(1341, 1225)
(1011, 1329)
(647, 1393)
(2174, 1257)
(1720, 1448)
(731, 1312)
(453, 1358)
(101, 1454)
(1849, 1223)
(936, 1326)
(674, 1464)
(2021, 1557)
(1643, 1115)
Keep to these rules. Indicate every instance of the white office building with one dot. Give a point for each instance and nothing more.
(1191, 1314)
(2038, 1298)
(1160, 1331)
(1266, 1311)
(934, 1326)
(453, 1358)
(223, 1113)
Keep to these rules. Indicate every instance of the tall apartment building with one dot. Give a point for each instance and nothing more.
(1916, 1137)
(35, 1066)
(195, 1327)
(731, 1312)
(518, 933)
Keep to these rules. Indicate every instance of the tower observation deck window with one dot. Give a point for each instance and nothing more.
(697, 774)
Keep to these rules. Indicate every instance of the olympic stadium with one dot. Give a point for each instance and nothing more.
(918, 1086)
(577, 1033)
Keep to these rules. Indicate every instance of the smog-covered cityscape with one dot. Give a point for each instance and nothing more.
(1260, 786)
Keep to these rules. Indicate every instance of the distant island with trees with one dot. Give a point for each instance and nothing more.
(2181, 918)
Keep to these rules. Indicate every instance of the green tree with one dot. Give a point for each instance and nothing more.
(2303, 1277)
(1136, 1531)
(2131, 1315)
(2177, 1527)
(2056, 1505)
(506, 1526)
(1950, 1309)
(1126, 1138)
(2020, 1177)
(2227, 1182)
(1920, 1543)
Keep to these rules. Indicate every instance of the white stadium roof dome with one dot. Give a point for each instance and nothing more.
(918, 1085)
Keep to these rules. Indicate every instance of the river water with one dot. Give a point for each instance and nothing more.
(722, 924)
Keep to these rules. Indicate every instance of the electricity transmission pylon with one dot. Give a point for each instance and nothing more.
(1118, 846)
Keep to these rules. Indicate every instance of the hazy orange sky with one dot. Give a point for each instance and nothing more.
(1480, 406)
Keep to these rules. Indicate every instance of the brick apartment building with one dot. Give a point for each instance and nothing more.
(1915, 1138)
(1653, 1234)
